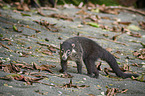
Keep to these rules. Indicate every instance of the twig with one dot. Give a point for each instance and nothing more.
(105, 39)
(20, 25)
(5, 46)
(126, 8)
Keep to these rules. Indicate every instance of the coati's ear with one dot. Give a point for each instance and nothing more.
(73, 45)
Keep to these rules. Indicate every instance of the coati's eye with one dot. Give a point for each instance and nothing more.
(68, 52)
(62, 51)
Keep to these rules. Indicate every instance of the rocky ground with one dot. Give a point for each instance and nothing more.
(29, 52)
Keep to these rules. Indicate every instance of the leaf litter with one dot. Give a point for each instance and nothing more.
(16, 69)
(140, 54)
(69, 85)
(114, 91)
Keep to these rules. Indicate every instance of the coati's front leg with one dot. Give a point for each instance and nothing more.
(79, 66)
(63, 66)
(91, 68)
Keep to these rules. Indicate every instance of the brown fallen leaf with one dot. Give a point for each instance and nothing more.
(10, 43)
(135, 34)
(104, 9)
(135, 53)
(125, 68)
(66, 75)
(106, 35)
(114, 91)
(82, 12)
(11, 68)
(49, 26)
(106, 71)
(140, 54)
(124, 23)
(124, 30)
(47, 52)
(70, 85)
(6, 69)
(1, 64)
(91, 94)
(143, 44)
(142, 24)
(14, 67)
(114, 38)
(135, 64)
(7, 78)
(46, 69)
(26, 79)
(5, 39)
(105, 18)
(29, 47)
(48, 66)
(116, 56)
(42, 68)
(44, 44)
(140, 78)
(92, 18)
(58, 16)
(5, 46)
(35, 66)
(52, 49)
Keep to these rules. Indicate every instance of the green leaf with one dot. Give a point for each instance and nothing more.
(93, 24)
(15, 28)
(1, 35)
(23, 14)
(143, 45)
(133, 27)
(140, 78)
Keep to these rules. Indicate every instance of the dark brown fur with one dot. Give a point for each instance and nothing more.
(87, 51)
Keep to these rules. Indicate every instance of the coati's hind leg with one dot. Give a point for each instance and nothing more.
(91, 68)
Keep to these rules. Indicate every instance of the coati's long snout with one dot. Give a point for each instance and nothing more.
(84, 50)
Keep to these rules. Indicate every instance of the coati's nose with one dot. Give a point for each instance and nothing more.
(64, 57)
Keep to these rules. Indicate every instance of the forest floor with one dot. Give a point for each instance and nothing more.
(29, 52)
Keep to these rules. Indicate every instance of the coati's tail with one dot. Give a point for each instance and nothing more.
(109, 58)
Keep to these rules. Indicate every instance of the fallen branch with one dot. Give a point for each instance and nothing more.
(105, 39)
(126, 8)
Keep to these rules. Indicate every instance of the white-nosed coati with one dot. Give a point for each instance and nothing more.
(81, 49)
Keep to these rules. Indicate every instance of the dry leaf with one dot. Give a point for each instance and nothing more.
(15, 68)
(49, 26)
(142, 24)
(70, 85)
(140, 54)
(82, 12)
(66, 75)
(124, 23)
(113, 91)
(58, 16)
(35, 66)
(109, 49)
(135, 64)
(47, 52)
(135, 34)
(106, 71)
(99, 66)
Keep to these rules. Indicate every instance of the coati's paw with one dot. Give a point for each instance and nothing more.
(93, 76)
(61, 71)
(96, 76)
(79, 73)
